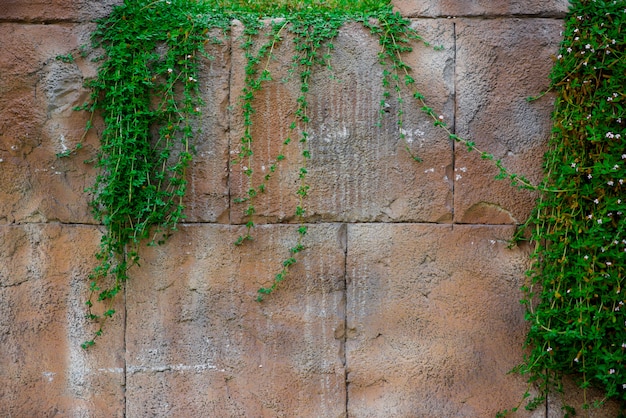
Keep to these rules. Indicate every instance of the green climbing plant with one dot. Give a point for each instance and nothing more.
(147, 94)
(575, 297)
(146, 91)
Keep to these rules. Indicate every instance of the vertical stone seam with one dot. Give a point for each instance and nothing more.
(124, 376)
(345, 315)
(454, 120)
(229, 120)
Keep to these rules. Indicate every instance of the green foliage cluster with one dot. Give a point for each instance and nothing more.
(147, 93)
(577, 288)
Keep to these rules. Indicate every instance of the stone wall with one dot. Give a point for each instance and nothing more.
(405, 303)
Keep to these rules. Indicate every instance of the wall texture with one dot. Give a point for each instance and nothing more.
(406, 303)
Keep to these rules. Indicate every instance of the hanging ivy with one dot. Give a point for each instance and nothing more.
(576, 292)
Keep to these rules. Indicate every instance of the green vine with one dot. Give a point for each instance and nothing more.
(147, 94)
(575, 295)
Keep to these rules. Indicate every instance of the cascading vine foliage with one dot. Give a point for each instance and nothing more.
(147, 94)
(577, 287)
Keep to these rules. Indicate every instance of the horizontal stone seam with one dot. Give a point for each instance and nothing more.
(38, 22)
(553, 16)
(269, 224)
(558, 16)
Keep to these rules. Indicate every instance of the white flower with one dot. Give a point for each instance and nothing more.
(589, 176)
(615, 167)
(169, 70)
(569, 49)
(596, 201)
(611, 371)
(588, 46)
(609, 134)
(586, 257)
(599, 221)
(610, 183)
(549, 349)
(623, 156)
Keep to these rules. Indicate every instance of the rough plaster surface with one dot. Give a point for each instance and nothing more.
(481, 8)
(405, 303)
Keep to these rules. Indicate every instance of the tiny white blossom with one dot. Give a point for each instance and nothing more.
(569, 49)
(596, 201)
(588, 46)
(623, 156)
(615, 167)
(169, 70)
(610, 183)
(549, 349)
(589, 176)
(586, 257)
(611, 371)
(599, 221)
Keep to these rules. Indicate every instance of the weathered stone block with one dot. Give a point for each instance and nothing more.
(499, 64)
(455, 8)
(56, 10)
(207, 192)
(37, 121)
(198, 344)
(357, 170)
(433, 320)
(43, 288)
